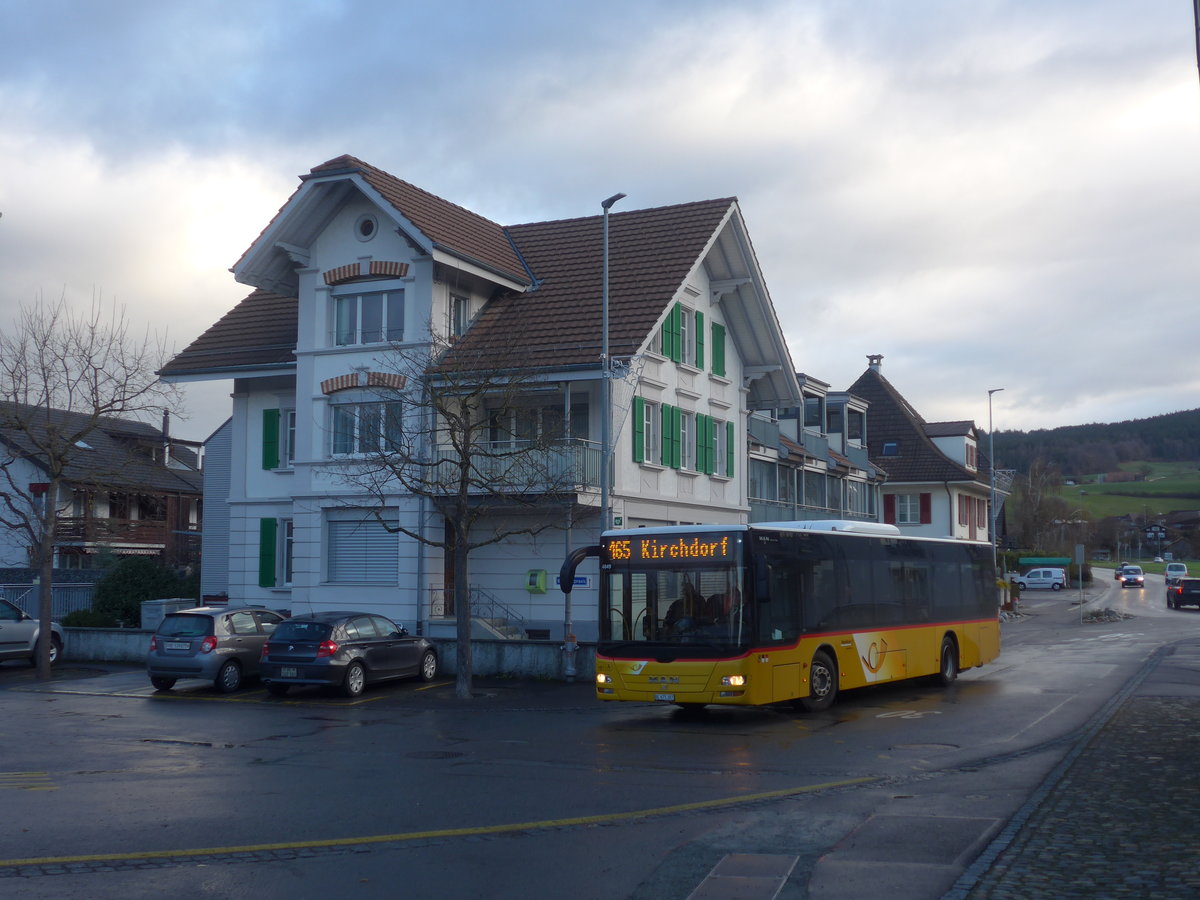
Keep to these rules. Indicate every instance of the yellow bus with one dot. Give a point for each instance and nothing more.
(786, 611)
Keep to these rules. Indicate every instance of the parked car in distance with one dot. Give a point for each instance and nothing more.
(347, 650)
(1175, 570)
(1055, 579)
(19, 634)
(1132, 576)
(1183, 592)
(222, 644)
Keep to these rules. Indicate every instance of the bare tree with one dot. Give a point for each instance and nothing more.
(1038, 504)
(61, 374)
(460, 427)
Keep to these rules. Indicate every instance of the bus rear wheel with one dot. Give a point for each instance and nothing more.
(822, 684)
(948, 670)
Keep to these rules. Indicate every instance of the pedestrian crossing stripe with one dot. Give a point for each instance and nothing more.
(26, 781)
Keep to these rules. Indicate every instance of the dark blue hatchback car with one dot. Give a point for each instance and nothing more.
(347, 650)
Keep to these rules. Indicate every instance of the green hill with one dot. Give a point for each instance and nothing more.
(1165, 487)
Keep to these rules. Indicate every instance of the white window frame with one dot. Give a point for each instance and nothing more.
(651, 432)
(460, 314)
(720, 449)
(286, 538)
(687, 336)
(687, 440)
(361, 420)
(908, 509)
(288, 438)
(347, 313)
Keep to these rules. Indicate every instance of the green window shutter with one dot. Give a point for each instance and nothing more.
(270, 439)
(664, 444)
(639, 429)
(676, 443)
(709, 444)
(267, 532)
(699, 339)
(671, 337)
(729, 448)
(701, 442)
(718, 349)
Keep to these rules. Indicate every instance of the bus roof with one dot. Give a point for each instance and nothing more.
(843, 526)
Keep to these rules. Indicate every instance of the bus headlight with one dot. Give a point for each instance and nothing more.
(734, 681)
(601, 678)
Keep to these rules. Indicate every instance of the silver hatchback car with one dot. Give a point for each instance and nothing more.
(20, 633)
(217, 643)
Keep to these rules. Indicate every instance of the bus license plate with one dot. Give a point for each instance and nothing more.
(669, 698)
(287, 672)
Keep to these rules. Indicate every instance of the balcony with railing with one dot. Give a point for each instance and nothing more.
(522, 467)
(93, 530)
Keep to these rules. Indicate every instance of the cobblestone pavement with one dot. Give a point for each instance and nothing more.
(1117, 818)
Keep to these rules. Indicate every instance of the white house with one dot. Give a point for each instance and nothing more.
(358, 265)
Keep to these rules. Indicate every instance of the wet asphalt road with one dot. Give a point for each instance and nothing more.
(535, 789)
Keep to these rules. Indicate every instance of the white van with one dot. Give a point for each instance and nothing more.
(1055, 579)
(1175, 570)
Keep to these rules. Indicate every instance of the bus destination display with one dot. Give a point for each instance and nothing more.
(707, 547)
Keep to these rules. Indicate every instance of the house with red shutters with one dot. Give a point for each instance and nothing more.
(938, 480)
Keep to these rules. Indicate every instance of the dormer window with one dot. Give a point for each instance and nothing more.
(890, 448)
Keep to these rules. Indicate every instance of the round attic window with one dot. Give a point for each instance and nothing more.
(365, 227)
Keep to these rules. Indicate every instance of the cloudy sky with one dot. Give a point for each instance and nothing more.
(992, 194)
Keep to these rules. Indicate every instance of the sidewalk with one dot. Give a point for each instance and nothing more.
(1117, 817)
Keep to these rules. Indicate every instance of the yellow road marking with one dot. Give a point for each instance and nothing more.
(26, 781)
(439, 833)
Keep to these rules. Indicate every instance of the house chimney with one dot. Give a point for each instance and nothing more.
(166, 437)
(875, 361)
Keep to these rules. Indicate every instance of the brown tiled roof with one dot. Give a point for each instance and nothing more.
(117, 455)
(890, 418)
(259, 332)
(451, 227)
(651, 252)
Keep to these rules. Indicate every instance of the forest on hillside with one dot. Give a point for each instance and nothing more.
(1090, 449)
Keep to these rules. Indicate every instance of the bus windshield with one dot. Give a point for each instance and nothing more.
(678, 606)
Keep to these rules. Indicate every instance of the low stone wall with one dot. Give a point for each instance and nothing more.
(507, 659)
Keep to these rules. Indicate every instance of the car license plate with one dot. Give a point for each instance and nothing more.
(288, 672)
(669, 698)
(177, 645)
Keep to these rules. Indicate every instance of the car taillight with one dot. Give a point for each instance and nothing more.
(266, 651)
(326, 648)
(209, 644)
(153, 642)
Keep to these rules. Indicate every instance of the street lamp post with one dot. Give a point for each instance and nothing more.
(992, 474)
(605, 374)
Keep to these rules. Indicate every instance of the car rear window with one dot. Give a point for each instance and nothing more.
(301, 631)
(184, 625)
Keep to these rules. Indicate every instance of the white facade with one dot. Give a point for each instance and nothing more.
(295, 539)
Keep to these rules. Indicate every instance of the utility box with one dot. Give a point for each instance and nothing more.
(154, 611)
(535, 581)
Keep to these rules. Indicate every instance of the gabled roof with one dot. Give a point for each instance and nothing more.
(258, 334)
(428, 222)
(651, 252)
(553, 272)
(892, 419)
(117, 452)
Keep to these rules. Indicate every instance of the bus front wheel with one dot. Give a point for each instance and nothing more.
(948, 670)
(822, 683)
